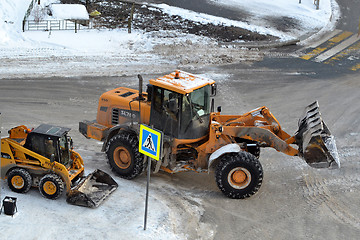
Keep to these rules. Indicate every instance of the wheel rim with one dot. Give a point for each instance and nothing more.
(49, 188)
(17, 182)
(122, 157)
(239, 178)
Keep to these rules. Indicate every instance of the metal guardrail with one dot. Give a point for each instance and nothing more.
(52, 25)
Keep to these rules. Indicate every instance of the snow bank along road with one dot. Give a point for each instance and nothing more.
(116, 53)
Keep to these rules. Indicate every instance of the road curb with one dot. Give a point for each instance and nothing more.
(271, 44)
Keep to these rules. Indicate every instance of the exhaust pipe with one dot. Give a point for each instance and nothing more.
(140, 87)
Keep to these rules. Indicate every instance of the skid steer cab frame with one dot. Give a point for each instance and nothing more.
(199, 139)
(41, 158)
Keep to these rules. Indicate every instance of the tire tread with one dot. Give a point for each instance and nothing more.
(26, 176)
(130, 140)
(242, 158)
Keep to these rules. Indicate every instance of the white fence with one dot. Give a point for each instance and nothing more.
(52, 25)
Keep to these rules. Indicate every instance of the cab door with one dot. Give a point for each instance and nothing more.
(165, 108)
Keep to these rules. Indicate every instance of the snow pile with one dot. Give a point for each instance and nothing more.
(11, 15)
(305, 13)
(69, 11)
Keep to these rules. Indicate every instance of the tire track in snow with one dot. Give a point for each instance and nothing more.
(317, 194)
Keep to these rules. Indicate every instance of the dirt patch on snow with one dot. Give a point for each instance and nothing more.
(190, 53)
(114, 14)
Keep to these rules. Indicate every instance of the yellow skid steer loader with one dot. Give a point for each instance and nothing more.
(44, 158)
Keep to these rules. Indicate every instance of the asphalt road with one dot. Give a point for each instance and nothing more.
(205, 6)
(294, 202)
(350, 15)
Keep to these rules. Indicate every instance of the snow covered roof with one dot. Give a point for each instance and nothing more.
(183, 83)
(69, 11)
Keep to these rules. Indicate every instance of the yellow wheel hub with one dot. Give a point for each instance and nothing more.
(17, 182)
(239, 178)
(122, 157)
(49, 188)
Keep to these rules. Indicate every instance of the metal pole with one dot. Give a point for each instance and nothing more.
(0, 161)
(131, 17)
(140, 95)
(147, 191)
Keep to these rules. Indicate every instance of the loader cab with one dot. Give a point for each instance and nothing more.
(180, 112)
(48, 140)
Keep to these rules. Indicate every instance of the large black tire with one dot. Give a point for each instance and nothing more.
(239, 175)
(19, 180)
(124, 157)
(51, 186)
(254, 151)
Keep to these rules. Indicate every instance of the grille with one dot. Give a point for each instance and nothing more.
(115, 116)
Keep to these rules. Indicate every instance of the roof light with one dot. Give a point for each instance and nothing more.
(177, 75)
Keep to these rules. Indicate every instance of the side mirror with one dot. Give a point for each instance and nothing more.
(71, 143)
(219, 108)
(213, 90)
(52, 158)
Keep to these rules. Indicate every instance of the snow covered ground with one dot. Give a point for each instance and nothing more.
(115, 52)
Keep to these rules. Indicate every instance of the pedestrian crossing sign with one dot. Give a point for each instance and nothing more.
(150, 142)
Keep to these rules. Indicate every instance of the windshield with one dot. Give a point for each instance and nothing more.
(195, 111)
(197, 102)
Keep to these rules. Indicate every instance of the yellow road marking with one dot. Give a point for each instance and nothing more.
(313, 53)
(331, 42)
(356, 67)
(341, 37)
(344, 53)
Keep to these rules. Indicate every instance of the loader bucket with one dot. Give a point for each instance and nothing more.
(316, 143)
(92, 190)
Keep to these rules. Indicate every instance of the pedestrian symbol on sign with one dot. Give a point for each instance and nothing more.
(149, 144)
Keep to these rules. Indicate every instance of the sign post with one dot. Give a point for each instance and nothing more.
(150, 144)
(147, 191)
(0, 160)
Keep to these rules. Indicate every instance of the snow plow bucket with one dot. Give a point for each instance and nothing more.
(316, 144)
(92, 190)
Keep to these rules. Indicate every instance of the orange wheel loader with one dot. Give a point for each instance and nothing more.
(44, 158)
(197, 138)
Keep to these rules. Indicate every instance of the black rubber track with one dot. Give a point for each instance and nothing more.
(241, 159)
(131, 143)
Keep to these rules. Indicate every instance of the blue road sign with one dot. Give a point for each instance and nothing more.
(150, 142)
